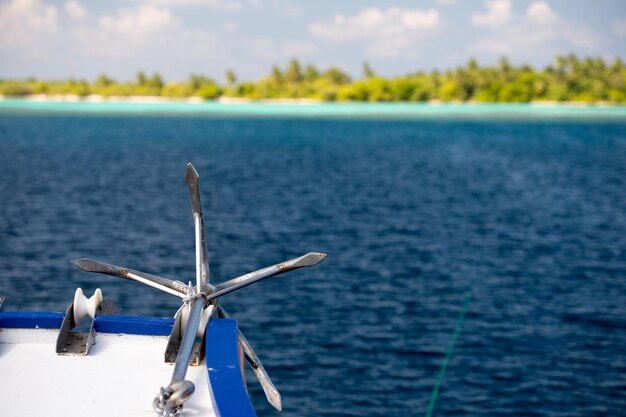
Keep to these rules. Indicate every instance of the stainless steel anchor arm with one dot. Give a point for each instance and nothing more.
(179, 289)
(271, 392)
(166, 285)
(192, 177)
(310, 259)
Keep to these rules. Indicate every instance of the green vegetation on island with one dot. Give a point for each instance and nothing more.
(569, 78)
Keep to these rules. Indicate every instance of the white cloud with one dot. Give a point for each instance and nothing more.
(540, 12)
(390, 30)
(41, 39)
(519, 39)
(389, 47)
(262, 47)
(374, 22)
(498, 13)
(579, 36)
(230, 26)
(538, 31)
(492, 46)
(619, 27)
(227, 5)
(75, 10)
(292, 10)
(128, 50)
(269, 49)
(285, 7)
(139, 23)
(446, 2)
(294, 48)
(22, 22)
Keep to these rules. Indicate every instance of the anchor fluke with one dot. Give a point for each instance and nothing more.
(310, 259)
(191, 178)
(89, 265)
(171, 287)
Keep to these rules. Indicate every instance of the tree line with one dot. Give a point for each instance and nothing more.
(568, 78)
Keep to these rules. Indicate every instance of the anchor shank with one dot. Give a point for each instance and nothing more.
(199, 267)
(189, 338)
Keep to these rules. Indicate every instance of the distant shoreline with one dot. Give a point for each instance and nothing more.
(570, 80)
(225, 100)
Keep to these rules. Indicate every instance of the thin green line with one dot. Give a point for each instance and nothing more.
(446, 359)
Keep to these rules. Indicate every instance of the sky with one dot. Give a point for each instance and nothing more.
(69, 38)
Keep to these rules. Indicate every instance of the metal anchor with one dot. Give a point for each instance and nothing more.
(201, 302)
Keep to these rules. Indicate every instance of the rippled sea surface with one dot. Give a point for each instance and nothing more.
(528, 217)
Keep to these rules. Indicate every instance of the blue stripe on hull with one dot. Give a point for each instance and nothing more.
(150, 326)
(153, 326)
(30, 320)
(222, 360)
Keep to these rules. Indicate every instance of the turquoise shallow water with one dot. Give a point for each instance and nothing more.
(332, 110)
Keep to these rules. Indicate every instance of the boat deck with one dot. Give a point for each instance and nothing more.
(120, 376)
(122, 373)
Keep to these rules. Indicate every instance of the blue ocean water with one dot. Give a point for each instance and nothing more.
(529, 217)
